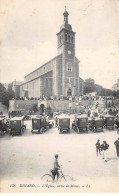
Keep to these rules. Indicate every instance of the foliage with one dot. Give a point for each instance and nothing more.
(42, 107)
(6, 94)
(35, 108)
(10, 91)
(90, 86)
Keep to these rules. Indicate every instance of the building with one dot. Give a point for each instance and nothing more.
(81, 86)
(116, 87)
(16, 88)
(59, 76)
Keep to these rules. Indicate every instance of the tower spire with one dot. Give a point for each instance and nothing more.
(65, 16)
(65, 8)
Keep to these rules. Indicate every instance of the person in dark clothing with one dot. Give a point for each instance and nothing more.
(98, 147)
(116, 143)
(56, 168)
(56, 122)
(89, 113)
(104, 148)
(117, 124)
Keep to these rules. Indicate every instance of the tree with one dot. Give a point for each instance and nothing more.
(6, 95)
(99, 89)
(10, 91)
(42, 107)
(89, 86)
(35, 108)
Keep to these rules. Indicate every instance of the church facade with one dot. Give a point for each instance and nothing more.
(59, 76)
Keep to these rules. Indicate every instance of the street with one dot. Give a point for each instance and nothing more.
(26, 158)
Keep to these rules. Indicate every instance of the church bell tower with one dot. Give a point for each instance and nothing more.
(66, 38)
(66, 47)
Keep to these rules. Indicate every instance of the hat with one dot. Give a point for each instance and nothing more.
(98, 140)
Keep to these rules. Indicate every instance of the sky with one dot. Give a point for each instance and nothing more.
(28, 38)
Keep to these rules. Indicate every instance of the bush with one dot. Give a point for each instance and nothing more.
(35, 108)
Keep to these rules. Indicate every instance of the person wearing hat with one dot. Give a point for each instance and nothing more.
(56, 167)
(98, 147)
(56, 121)
(104, 148)
(116, 143)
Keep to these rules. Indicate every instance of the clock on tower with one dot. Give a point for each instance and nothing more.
(66, 38)
(68, 67)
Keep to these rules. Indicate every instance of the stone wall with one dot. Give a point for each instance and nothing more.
(61, 106)
(27, 105)
(55, 105)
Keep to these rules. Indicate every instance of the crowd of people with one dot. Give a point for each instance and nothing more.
(61, 97)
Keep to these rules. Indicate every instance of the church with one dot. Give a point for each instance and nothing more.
(59, 76)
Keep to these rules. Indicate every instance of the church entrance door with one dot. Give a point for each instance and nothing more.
(69, 92)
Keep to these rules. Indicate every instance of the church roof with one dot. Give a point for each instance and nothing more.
(77, 59)
(43, 64)
(66, 26)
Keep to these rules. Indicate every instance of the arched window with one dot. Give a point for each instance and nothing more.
(66, 37)
(69, 67)
(72, 39)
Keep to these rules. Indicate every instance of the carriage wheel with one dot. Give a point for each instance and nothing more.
(78, 130)
(94, 129)
(42, 130)
(75, 129)
(32, 131)
(23, 129)
(21, 132)
(60, 131)
(118, 130)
